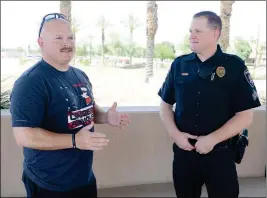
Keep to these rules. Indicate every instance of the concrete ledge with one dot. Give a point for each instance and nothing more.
(141, 154)
(131, 109)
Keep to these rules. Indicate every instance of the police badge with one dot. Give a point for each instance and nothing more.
(220, 71)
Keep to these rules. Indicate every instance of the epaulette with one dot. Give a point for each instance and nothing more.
(234, 58)
(187, 56)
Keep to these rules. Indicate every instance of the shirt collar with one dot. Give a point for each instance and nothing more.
(216, 57)
(50, 67)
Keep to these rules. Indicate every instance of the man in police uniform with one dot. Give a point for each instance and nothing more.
(214, 96)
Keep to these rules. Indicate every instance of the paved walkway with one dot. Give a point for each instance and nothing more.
(249, 187)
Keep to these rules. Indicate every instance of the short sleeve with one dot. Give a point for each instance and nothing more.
(166, 91)
(27, 102)
(246, 96)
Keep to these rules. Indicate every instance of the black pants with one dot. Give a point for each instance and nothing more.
(216, 170)
(34, 190)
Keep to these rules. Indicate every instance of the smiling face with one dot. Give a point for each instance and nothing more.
(202, 35)
(57, 42)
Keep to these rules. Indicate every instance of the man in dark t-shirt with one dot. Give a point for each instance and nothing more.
(53, 114)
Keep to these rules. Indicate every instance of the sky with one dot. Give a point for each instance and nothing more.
(20, 20)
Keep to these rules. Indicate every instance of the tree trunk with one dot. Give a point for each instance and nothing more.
(150, 57)
(91, 48)
(131, 47)
(65, 8)
(103, 24)
(225, 14)
(256, 64)
(152, 26)
(103, 46)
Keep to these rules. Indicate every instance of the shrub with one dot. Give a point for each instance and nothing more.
(5, 99)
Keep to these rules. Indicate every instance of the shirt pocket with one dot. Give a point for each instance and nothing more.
(183, 86)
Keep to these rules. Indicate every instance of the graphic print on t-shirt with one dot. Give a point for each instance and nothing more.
(85, 115)
(85, 96)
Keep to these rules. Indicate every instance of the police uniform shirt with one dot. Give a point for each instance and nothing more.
(205, 104)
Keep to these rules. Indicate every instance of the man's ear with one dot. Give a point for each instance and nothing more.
(40, 42)
(217, 34)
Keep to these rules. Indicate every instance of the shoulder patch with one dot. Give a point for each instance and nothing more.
(255, 95)
(248, 78)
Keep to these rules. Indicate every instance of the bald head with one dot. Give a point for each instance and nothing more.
(57, 41)
(55, 26)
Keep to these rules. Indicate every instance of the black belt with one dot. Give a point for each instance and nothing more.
(219, 147)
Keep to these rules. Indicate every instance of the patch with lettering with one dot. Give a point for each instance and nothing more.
(248, 78)
(255, 95)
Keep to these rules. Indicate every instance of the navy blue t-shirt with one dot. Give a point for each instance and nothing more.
(60, 102)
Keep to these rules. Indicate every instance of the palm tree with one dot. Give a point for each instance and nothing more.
(103, 24)
(132, 23)
(75, 27)
(65, 8)
(225, 14)
(90, 36)
(152, 26)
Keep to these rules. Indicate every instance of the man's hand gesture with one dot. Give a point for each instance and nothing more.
(116, 118)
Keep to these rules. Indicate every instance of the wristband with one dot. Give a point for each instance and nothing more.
(73, 141)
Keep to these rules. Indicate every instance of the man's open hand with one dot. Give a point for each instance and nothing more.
(86, 140)
(116, 118)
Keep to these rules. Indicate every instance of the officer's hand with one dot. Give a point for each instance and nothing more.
(205, 144)
(181, 140)
(86, 140)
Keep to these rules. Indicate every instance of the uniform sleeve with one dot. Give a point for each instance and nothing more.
(166, 91)
(246, 96)
(27, 102)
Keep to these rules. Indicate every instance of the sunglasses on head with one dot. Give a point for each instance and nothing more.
(49, 17)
